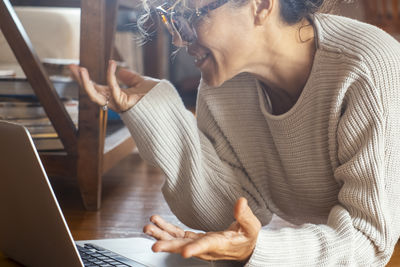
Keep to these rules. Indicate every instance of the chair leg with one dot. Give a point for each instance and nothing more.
(98, 23)
(89, 180)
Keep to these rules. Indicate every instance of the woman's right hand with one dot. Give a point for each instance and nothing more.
(112, 95)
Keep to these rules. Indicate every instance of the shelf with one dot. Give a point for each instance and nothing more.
(116, 134)
(118, 144)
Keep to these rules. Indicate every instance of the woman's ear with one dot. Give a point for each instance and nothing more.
(262, 9)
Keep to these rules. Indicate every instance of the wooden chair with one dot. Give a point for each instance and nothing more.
(88, 154)
(384, 14)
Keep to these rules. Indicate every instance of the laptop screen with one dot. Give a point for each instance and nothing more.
(33, 230)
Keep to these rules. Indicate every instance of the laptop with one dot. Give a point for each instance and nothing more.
(33, 230)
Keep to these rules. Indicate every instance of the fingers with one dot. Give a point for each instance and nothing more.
(129, 77)
(192, 235)
(157, 233)
(90, 88)
(212, 242)
(172, 246)
(112, 81)
(237, 243)
(188, 247)
(75, 73)
(163, 230)
(168, 227)
(246, 218)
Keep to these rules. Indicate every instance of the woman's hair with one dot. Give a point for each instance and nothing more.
(292, 11)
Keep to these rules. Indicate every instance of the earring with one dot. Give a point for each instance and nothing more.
(261, 17)
(300, 35)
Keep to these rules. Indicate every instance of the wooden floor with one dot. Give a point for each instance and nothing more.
(131, 194)
(395, 260)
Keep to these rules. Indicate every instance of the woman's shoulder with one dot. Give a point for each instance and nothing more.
(356, 39)
(360, 47)
(364, 54)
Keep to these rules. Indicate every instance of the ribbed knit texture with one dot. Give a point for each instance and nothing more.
(330, 165)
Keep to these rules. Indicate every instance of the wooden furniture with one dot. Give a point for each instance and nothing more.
(384, 14)
(88, 153)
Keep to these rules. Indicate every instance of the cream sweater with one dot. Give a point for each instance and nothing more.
(330, 165)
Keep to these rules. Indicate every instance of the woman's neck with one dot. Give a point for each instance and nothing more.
(285, 68)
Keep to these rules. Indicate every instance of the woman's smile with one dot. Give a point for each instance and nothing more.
(199, 60)
(200, 54)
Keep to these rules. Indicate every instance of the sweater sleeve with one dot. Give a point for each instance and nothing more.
(359, 230)
(201, 188)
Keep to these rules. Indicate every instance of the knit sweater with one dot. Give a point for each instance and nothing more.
(330, 165)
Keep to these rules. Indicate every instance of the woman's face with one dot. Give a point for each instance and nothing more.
(224, 43)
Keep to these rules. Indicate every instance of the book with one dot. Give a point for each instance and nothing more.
(19, 104)
(13, 108)
(48, 144)
(41, 122)
(58, 66)
(29, 112)
(40, 131)
(43, 133)
(10, 110)
(65, 87)
(7, 73)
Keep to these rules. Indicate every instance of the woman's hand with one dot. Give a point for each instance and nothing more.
(235, 243)
(112, 95)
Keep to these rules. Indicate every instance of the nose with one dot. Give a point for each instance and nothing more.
(193, 49)
(177, 41)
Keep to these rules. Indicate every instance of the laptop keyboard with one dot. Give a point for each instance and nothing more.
(93, 255)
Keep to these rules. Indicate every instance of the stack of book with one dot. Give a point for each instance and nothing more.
(19, 104)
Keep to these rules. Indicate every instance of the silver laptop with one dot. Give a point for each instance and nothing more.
(33, 230)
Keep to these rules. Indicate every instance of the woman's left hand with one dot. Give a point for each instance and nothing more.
(235, 243)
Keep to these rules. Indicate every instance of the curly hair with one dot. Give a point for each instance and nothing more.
(291, 11)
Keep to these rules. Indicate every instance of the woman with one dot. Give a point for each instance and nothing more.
(297, 115)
